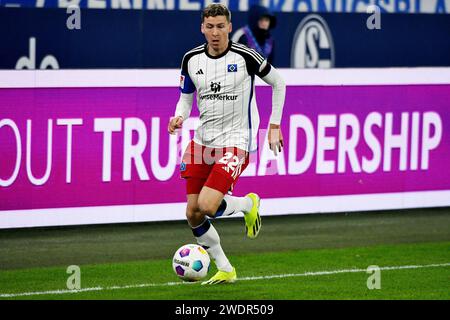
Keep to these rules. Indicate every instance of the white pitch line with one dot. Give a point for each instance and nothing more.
(323, 273)
(275, 276)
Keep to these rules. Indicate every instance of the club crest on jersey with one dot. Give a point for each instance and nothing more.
(182, 82)
(232, 68)
(183, 166)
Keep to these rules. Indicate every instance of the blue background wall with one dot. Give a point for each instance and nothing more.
(158, 39)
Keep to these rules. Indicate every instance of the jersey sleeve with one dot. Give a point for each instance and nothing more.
(257, 64)
(278, 85)
(186, 84)
(263, 69)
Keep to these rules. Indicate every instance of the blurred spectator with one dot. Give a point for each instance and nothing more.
(256, 34)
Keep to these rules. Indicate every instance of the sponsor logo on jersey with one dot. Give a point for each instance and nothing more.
(226, 97)
(232, 68)
(313, 44)
(215, 87)
(183, 166)
(199, 72)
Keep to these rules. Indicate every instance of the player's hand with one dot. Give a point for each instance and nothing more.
(175, 123)
(275, 138)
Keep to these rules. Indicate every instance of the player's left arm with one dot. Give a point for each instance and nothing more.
(273, 78)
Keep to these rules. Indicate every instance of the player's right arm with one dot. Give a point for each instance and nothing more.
(182, 112)
(184, 104)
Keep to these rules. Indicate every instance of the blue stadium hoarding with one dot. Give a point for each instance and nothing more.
(348, 6)
(159, 38)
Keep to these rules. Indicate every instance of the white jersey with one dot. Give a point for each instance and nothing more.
(225, 86)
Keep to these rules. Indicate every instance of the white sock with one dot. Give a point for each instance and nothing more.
(208, 238)
(231, 205)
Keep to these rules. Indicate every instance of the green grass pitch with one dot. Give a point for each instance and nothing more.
(295, 257)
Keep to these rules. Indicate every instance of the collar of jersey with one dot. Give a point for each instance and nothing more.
(220, 55)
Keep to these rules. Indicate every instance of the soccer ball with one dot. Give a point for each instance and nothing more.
(191, 262)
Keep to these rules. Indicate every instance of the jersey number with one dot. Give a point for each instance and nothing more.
(226, 160)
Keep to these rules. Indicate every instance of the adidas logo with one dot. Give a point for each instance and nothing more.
(200, 71)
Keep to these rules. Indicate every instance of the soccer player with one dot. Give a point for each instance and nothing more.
(223, 74)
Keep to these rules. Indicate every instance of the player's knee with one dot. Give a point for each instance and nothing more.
(192, 213)
(194, 216)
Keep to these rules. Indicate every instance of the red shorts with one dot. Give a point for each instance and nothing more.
(217, 168)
